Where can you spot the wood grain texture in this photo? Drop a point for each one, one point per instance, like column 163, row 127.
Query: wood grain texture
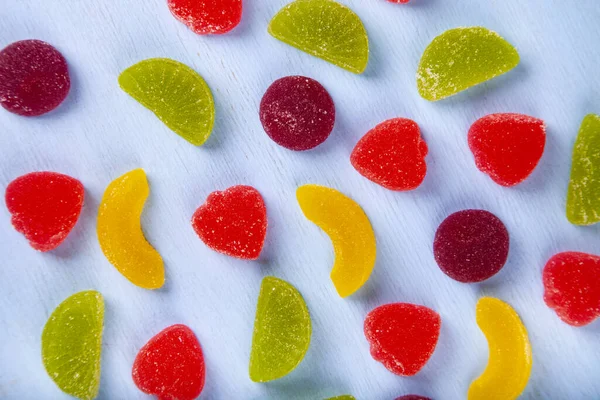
column 100, row 133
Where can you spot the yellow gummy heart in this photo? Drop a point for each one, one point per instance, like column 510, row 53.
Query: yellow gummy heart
column 509, row 364
column 349, row 230
column 120, row 233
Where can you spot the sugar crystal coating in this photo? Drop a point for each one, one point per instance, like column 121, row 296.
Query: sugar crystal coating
column 572, row 287
column 120, row 233
column 171, row 365
column 45, row 206
column 72, row 344
column 583, row 197
column 207, row 16
column 34, row 78
column 175, row 93
column 392, row 155
column 324, row 29
column 297, row 113
column 233, row 222
column 509, row 364
column 461, row 58
column 282, row 331
column 471, row 245
column 508, row 146
column 402, row 336
column 350, row 232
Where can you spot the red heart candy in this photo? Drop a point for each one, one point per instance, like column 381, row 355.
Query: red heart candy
column 207, row 17
column 392, row 155
column 45, row 206
column 171, row 365
column 233, row 222
column 572, row 287
column 402, row 336
column 507, row 147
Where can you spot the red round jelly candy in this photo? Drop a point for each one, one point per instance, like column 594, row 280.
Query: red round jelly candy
column 392, row 155
column 207, row 16
column 45, row 206
column 171, row 365
column 399, row 2
column 471, row 245
column 572, row 287
column 507, row 147
column 34, row 78
column 402, row 336
column 412, row 397
column 233, row 222
column 297, row 113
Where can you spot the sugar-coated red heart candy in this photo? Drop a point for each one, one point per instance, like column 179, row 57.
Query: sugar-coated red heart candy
column 233, row 222
column 471, row 245
column 171, row 365
column 297, row 113
column 412, row 397
column 392, row 155
column 402, row 336
column 45, row 206
column 400, row 2
column 208, row 16
column 507, row 147
column 572, row 287
column 34, row 78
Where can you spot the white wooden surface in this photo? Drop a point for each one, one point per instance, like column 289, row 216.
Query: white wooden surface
column 100, row 133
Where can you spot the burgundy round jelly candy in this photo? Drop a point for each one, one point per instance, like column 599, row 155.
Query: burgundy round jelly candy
column 297, row 113
column 412, row 397
column 471, row 245
column 34, row 78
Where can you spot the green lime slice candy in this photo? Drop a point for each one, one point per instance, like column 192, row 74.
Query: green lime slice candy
column 343, row 397
column 282, row 331
column 175, row 93
column 325, row 29
column 72, row 342
column 461, row 58
column 583, row 196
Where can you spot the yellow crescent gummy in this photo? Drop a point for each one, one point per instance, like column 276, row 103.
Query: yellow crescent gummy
column 509, row 364
column 72, row 344
column 120, row 233
column 349, row 230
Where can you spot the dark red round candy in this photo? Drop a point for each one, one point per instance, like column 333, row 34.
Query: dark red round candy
column 297, row 113
column 34, row 78
column 412, row 397
column 471, row 245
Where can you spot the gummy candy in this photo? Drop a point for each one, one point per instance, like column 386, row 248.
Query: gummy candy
column 297, row 113
column 509, row 364
column 282, row 331
column 583, row 197
column 178, row 96
column 45, row 206
column 233, row 222
column 207, row 16
column 392, row 155
column 412, row 397
column 402, row 336
column 471, row 245
column 572, row 287
column 72, row 344
column 400, row 2
column 324, row 29
column 171, row 365
column 461, row 58
column 120, row 234
column 507, row 147
column 349, row 230
column 34, row 78
column 343, row 397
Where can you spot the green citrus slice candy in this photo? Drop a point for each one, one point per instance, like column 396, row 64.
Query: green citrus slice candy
column 461, row 58
column 175, row 93
column 72, row 343
column 343, row 397
column 120, row 233
column 282, row 331
column 583, row 197
column 325, row 29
